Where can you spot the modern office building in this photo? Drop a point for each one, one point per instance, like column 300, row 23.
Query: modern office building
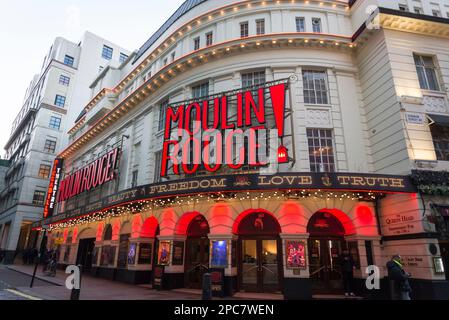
column 52, row 103
column 355, row 95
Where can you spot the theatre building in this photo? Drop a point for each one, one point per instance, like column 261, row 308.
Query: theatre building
column 331, row 119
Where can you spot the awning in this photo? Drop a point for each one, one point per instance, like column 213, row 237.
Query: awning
column 439, row 119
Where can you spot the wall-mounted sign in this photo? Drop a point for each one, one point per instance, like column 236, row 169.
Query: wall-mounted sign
column 415, row 118
column 164, row 253
column 190, row 125
column 53, row 187
column 219, row 254
column 296, row 254
column 234, row 183
column 90, row 177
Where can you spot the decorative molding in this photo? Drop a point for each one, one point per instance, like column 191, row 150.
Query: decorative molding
column 435, row 104
column 318, row 117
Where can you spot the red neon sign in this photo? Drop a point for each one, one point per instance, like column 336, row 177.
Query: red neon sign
column 214, row 115
column 90, row 177
column 53, row 187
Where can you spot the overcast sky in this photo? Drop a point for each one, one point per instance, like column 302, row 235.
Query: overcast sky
column 28, row 28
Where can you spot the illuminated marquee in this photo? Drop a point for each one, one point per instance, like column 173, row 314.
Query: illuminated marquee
column 212, row 116
column 53, row 187
column 91, row 176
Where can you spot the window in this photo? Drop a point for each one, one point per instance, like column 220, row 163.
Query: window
column 300, row 24
column 55, row 123
column 253, row 79
column 244, row 29
column 44, row 171
column 316, row 24
column 426, row 72
column 321, row 150
column 39, row 198
column 403, row 7
column 123, row 57
column 260, row 26
column 64, row 80
column 107, row 52
column 209, row 39
column 196, row 43
column 201, row 90
column 68, row 60
column 50, row 146
column 134, row 178
column 418, row 10
column 436, row 13
column 440, row 137
column 60, row 101
column 315, row 87
column 158, row 163
column 162, row 111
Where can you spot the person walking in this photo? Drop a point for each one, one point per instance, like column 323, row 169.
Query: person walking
column 347, row 265
column 399, row 278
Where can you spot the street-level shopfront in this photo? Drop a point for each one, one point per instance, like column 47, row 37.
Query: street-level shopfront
column 279, row 233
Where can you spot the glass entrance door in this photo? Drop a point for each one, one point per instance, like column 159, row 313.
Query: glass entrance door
column 197, row 261
column 260, row 265
column 325, row 270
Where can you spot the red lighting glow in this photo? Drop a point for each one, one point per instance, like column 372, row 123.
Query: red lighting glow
column 282, row 155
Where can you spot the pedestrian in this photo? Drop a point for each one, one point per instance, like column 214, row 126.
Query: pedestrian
column 399, row 278
column 347, row 265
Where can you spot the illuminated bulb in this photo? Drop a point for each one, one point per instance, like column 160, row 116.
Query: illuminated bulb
column 306, row 41
column 228, row 49
column 274, row 41
column 290, row 41
column 321, row 41
column 242, row 45
column 337, row 44
column 258, row 44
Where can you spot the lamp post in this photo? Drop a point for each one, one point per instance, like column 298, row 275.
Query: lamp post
column 41, row 252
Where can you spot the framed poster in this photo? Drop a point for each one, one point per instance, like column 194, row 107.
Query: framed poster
column 107, row 255
column 132, row 254
column 296, row 254
column 219, row 254
column 163, row 256
column 145, row 253
column 178, row 253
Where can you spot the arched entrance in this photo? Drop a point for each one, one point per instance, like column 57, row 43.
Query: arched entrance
column 326, row 243
column 197, row 252
column 259, row 252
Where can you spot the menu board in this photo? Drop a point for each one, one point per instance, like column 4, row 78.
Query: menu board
column 178, row 253
column 145, row 253
column 164, row 253
column 296, row 254
column 219, row 254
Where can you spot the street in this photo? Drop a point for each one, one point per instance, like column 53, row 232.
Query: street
column 10, row 280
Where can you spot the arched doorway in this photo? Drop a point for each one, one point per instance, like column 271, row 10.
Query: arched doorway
column 259, row 252
column 326, row 243
column 86, row 246
column 197, row 252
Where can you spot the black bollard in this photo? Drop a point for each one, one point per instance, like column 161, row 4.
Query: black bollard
column 207, row 287
column 75, row 294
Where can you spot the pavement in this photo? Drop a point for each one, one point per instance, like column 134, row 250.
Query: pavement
column 53, row 288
